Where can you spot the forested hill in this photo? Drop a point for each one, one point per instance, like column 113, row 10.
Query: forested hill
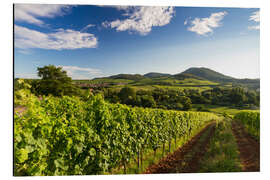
column 195, row 73
column 212, row 75
column 209, row 74
column 127, row 76
column 156, row 75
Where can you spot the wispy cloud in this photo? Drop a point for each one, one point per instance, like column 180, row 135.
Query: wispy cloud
column 254, row 27
column 31, row 13
column 119, row 7
column 81, row 73
column 75, row 72
column 203, row 26
column 141, row 19
column 87, row 27
column 24, row 51
column 256, row 18
column 26, row 75
column 61, row 39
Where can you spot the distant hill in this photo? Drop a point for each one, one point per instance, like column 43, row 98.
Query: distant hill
column 182, row 76
column 127, row 76
column 214, row 76
column 156, row 75
column 201, row 73
column 209, row 74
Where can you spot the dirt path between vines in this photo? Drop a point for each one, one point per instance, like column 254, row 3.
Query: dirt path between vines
column 186, row 158
column 248, row 147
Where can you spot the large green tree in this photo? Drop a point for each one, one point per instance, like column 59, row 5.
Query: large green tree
column 127, row 95
column 54, row 81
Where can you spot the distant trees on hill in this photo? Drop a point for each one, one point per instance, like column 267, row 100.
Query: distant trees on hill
column 183, row 99
column 54, row 81
column 157, row 98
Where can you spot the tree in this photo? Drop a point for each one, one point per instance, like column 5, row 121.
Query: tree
column 148, row 101
column 127, row 95
column 238, row 96
column 187, row 104
column 54, row 81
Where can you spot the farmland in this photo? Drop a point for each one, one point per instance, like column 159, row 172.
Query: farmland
column 135, row 124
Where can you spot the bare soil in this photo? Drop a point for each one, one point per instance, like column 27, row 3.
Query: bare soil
column 19, row 109
column 248, row 147
column 186, row 158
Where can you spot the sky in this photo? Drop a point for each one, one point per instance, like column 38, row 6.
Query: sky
column 98, row 41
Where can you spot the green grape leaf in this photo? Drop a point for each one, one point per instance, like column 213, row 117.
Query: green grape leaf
column 22, row 155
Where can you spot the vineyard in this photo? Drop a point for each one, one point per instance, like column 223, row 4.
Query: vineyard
column 134, row 90
column 251, row 121
column 74, row 136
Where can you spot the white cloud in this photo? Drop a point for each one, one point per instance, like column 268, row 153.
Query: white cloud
column 185, row 23
column 202, row 26
column 122, row 7
column 255, row 16
column 81, row 73
column 24, row 51
column 118, row 7
column 141, row 19
column 27, row 75
column 74, row 72
column 31, row 13
column 61, row 39
column 254, row 27
column 86, row 27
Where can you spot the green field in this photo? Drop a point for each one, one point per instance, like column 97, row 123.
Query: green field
column 154, row 83
column 217, row 109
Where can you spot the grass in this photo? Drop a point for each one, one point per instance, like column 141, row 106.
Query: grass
column 103, row 80
column 222, row 154
column 217, row 109
column 152, row 83
column 174, row 82
column 182, row 87
column 189, row 81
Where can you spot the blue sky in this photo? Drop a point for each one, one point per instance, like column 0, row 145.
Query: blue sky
column 97, row 41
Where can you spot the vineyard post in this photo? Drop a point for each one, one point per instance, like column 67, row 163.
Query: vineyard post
column 163, row 149
column 170, row 145
column 251, row 124
column 142, row 157
column 138, row 157
column 125, row 170
column 175, row 141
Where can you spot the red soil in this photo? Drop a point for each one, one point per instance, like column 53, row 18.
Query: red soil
column 248, row 147
column 186, row 158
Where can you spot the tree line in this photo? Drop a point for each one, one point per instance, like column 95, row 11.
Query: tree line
column 54, row 81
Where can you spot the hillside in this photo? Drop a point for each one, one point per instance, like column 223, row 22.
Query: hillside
column 182, row 76
column 214, row 76
column 127, row 76
column 156, row 75
column 191, row 78
column 209, row 74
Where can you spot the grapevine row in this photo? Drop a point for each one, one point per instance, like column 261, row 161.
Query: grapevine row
column 70, row 136
column 251, row 120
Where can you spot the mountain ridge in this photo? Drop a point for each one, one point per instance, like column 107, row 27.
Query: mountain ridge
column 193, row 72
column 200, row 73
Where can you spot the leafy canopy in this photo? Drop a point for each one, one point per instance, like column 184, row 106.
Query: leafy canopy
column 54, row 81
